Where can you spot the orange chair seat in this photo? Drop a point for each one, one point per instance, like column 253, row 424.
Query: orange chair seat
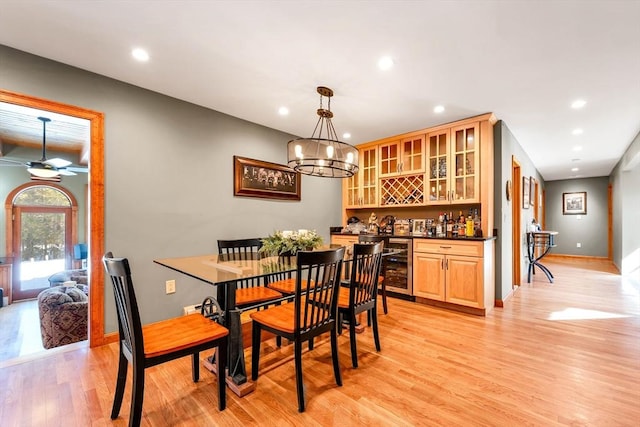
column 280, row 317
column 255, row 295
column 175, row 334
column 286, row 286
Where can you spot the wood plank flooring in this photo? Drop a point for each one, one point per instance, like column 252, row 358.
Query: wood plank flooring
column 562, row 354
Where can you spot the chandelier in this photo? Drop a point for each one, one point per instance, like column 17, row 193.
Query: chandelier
column 323, row 154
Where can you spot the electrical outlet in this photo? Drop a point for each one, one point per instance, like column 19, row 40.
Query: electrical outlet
column 578, row 245
column 170, row 286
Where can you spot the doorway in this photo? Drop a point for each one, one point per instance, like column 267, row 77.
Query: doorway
column 95, row 204
column 43, row 237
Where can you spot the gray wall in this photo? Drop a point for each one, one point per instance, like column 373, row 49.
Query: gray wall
column 168, row 177
column 506, row 146
column 625, row 181
column 590, row 230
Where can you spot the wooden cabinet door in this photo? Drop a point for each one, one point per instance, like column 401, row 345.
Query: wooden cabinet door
column 369, row 176
column 428, row 276
column 361, row 190
column 437, row 168
column 412, row 155
column 389, row 159
column 464, row 179
column 463, row 283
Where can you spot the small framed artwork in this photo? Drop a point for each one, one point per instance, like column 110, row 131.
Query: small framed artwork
column 526, row 191
column 265, row 180
column 574, row 203
column 419, row 227
column 532, row 191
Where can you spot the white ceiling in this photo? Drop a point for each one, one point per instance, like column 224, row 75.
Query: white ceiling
column 525, row 61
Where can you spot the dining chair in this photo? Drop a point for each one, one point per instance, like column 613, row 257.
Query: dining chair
column 248, row 291
column 363, row 238
column 159, row 342
column 312, row 312
column 363, row 293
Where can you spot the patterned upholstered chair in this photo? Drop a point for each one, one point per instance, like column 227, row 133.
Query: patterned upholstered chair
column 63, row 316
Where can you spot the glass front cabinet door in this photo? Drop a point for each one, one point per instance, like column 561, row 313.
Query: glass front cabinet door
column 362, row 188
column 453, row 165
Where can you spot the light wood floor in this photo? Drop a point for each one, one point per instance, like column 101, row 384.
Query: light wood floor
column 566, row 354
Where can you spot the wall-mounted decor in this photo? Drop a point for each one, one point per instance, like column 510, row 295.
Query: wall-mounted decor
column 532, row 191
column 508, row 190
column 574, row 203
column 255, row 178
column 525, row 192
column 419, row 227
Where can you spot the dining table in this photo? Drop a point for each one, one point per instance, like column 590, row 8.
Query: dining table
column 223, row 271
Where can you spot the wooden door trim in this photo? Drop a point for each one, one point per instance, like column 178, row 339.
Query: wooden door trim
column 95, row 202
column 516, row 177
column 610, row 222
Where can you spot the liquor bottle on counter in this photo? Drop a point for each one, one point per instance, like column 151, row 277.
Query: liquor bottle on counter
column 477, row 225
column 449, row 224
column 439, row 226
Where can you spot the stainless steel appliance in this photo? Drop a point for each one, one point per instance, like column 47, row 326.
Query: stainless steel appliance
column 397, row 267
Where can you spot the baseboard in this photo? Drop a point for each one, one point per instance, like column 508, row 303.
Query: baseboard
column 501, row 302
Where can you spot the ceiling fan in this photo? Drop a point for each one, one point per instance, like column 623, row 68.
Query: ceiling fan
column 48, row 168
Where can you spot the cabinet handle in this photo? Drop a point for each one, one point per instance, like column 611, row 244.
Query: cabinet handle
column 445, row 247
column 446, row 264
column 442, row 264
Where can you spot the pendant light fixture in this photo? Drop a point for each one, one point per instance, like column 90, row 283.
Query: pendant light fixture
column 323, row 154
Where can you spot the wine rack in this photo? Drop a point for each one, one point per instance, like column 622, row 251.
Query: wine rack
column 403, row 190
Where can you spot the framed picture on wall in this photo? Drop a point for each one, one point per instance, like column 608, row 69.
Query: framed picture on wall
column 257, row 178
column 532, row 191
column 526, row 191
column 574, row 203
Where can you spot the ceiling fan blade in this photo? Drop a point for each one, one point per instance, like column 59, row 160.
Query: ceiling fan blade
column 57, row 163
column 66, row 172
column 9, row 162
column 77, row 169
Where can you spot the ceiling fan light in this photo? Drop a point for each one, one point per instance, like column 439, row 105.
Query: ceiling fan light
column 43, row 172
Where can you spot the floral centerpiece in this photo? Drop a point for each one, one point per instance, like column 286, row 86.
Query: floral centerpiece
column 290, row 242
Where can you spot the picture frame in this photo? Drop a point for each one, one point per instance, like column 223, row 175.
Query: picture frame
column 532, row 191
column 419, row 227
column 526, row 192
column 574, row 203
column 265, row 180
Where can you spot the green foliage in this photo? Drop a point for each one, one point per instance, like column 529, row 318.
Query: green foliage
column 290, row 242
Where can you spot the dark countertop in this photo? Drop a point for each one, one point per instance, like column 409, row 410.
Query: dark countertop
column 476, row 239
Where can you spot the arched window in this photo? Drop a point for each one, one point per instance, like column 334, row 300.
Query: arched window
column 43, row 232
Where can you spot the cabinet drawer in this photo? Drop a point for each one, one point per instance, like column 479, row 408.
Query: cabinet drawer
column 448, row 247
column 344, row 240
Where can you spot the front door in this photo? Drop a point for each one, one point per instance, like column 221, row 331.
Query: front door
column 42, row 239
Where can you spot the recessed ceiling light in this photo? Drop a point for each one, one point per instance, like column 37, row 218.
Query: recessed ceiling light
column 578, row 103
column 577, row 148
column 385, row 63
column 577, row 131
column 140, row 54
column 283, row 111
column 575, row 169
column 346, row 135
column 438, row 109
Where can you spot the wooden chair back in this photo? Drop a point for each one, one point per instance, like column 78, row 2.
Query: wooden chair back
column 317, row 287
column 129, row 323
column 239, row 247
column 365, row 269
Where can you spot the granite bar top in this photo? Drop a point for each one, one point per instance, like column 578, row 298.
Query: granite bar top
column 410, row 236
